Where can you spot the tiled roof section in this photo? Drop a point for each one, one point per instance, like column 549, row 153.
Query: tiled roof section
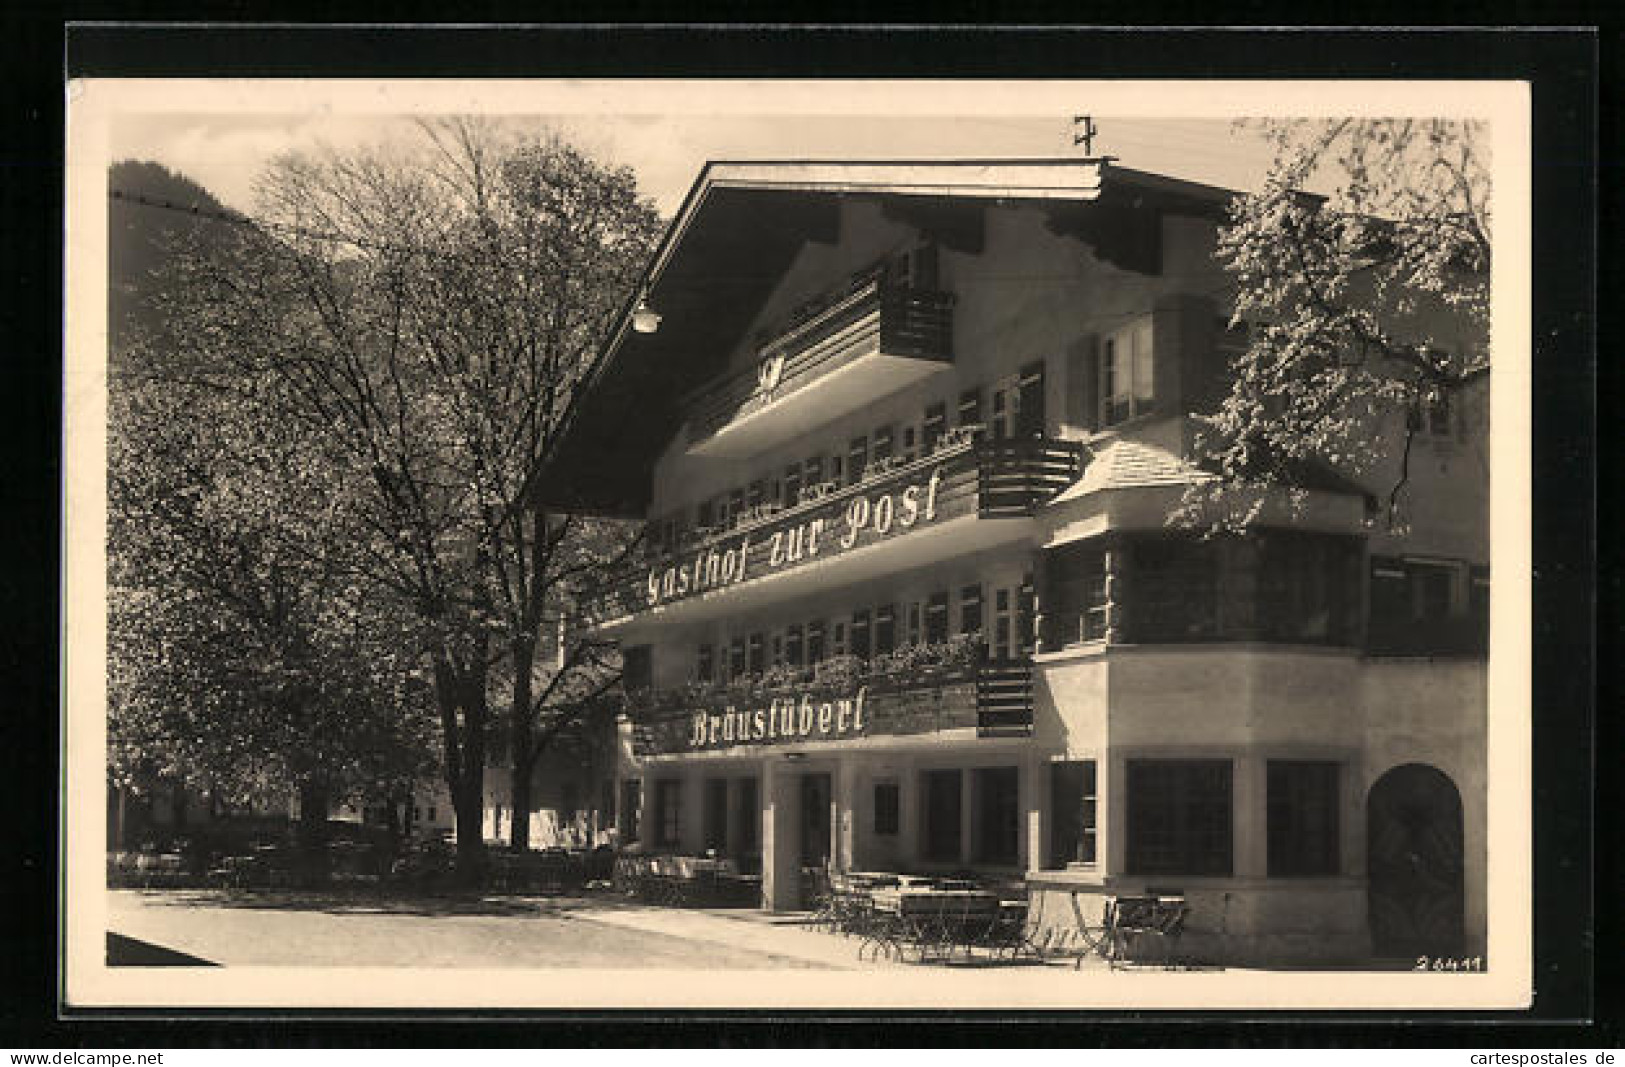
column 1130, row 464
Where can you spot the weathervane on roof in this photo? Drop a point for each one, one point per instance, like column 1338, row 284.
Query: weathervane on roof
column 1083, row 132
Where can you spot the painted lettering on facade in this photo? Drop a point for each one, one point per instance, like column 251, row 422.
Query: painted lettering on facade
column 786, row 719
column 835, row 529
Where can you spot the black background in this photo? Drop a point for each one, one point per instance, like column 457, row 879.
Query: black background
column 1575, row 981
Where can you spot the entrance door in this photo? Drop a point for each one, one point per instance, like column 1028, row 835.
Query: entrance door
column 815, row 830
column 1414, row 846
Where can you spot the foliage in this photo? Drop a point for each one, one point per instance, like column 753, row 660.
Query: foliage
column 246, row 656
column 836, row 675
column 426, row 313
column 1345, row 299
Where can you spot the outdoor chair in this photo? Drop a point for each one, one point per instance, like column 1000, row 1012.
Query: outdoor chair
column 1088, row 938
column 820, row 896
column 1007, row 930
column 886, row 927
column 1141, row 922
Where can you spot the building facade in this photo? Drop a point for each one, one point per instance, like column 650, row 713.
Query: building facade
column 908, row 439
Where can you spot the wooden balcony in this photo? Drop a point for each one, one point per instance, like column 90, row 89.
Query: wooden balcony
column 963, row 497
column 993, row 699
column 865, row 343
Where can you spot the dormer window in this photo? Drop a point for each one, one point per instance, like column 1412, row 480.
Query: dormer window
column 1127, row 387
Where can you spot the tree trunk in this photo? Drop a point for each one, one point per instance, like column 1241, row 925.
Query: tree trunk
column 312, row 844
column 393, row 820
column 463, row 711
column 468, row 804
column 524, row 656
column 118, row 842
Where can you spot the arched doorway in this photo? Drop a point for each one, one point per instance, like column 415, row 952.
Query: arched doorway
column 1414, row 862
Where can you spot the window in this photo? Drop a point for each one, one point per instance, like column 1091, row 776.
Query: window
column 793, row 646
column 637, row 668
column 757, row 494
column 857, row 459
column 792, row 485
column 837, row 640
column 915, row 268
column 1126, row 387
column 933, row 427
column 1003, row 630
column 631, row 821
column 970, row 407
column 1030, row 401
column 705, row 664
column 812, row 471
column 716, row 813
column 815, row 642
column 888, row 805
column 434, row 813
column 910, row 439
column 970, row 609
column 835, row 468
column 1308, row 588
column 942, row 815
column 1072, row 813
column 1439, row 423
column 916, row 622
column 776, row 658
column 1175, row 589
column 936, row 618
column 669, row 812
column 1422, row 607
column 1026, row 615
column 753, row 654
column 998, row 815
column 885, row 629
column 736, row 505
column 880, row 444
column 1433, row 413
column 860, row 633
column 736, row 658
column 1001, row 422
column 1301, row 812
column 705, row 516
column 1179, row 815
column 1075, row 596
column 417, row 813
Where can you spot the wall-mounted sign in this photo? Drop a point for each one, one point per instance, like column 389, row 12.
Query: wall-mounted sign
column 811, row 717
column 785, row 719
column 831, row 528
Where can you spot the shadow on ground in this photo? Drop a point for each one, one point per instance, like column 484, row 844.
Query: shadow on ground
column 375, row 902
column 128, row 952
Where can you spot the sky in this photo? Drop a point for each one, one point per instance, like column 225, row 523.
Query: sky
column 224, row 152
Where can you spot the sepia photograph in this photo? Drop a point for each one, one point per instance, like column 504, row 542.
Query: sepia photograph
column 792, row 544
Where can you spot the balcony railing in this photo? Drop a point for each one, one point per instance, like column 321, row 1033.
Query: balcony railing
column 961, row 478
column 873, row 318
column 993, row 698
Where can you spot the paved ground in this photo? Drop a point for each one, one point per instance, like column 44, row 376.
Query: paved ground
column 293, row 929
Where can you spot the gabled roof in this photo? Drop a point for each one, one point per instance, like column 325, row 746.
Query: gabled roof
column 735, row 235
